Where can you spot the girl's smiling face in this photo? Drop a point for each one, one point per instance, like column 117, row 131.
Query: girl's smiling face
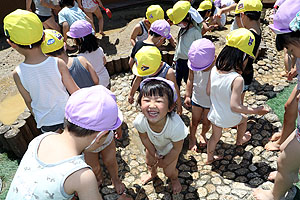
column 155, row 108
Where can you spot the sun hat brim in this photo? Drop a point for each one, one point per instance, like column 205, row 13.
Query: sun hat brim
column 198, row 68
column 279, row 31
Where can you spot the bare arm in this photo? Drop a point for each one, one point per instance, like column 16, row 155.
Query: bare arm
column 135, row 32
column 24, row 93
column 65, row 29
column 90, row 21
column 235, row 101
column 90, row 69
column 131, row 62
column 104, row 60
column 171, row 76
column 226, row 9
column 79, row 2
column 208, row 86
column 189, row 88
column 172, row 155
column 172, row 41
column 134, row 87
column 28, row 5
column 147, row 143
column 67, row 79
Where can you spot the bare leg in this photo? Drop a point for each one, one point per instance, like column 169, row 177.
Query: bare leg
column 100, row 20
column 90, row 15
column 290, row 116
column 205, row 127
column 92, row 159
column 172, row 173
column 212, row 142
column 152, row 168
column 242, row 135
column 50, row 23
column 110, row 161
column 196, row 117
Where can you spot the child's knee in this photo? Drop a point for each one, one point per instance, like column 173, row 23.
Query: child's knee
column 170, row 173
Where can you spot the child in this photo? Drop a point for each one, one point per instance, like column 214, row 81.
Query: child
column 89, row 48
column 70, row 14
column 91, row 7
column 149, row 64
column 161, row 131
column 247, row 15
column 140, row 31
column 187, row 19
column 44, row 12
column 225, row 87
column 286, row 26
column 42, row 81
column 201, row 60
column 57, row 171
column 80, row 69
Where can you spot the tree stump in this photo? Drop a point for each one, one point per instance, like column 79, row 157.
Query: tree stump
column 110, row 67
column 25, row 130
column 3, row 130
column 165, row 56
column 170, row 57
column 124, row 62
column 30, row 121
column 16, row 142
column 117, row 64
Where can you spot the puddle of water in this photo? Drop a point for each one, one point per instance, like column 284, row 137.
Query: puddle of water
column 10, row 108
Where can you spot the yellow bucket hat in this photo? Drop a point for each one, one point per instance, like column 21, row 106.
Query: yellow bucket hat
column 154, row 12
column 53, row 41
column 242, row 39
column 205, row 5
column 147, row 61
column 248, row 5
column 23, row 27
column 179, row 11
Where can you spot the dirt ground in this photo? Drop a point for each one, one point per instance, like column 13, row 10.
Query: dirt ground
column 116, row 42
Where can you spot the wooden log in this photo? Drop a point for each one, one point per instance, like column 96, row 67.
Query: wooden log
column 3, row 130
column 164, row 56
column 124, row 62
column 25, row 130
column 30, row 121
column 117, row 64
column 110, row 67
column 16, row 142
column 170, row 57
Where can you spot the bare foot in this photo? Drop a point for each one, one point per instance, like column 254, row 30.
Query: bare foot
column 203, row 141
column 193, row 144
column 272, row 176
column 124, row 197
column 245, row 139
column 119, row 186
column 260, row 194
column 176, row 186
column 215, row 157
column 147, row 178
column 272, row 146
column 275, row 136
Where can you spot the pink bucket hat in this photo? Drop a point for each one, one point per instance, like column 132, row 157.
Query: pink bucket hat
column 161, row 27
column 94, row 108
column 201, row 54
column 80, row 29
column 170, row 83
column 285, row 14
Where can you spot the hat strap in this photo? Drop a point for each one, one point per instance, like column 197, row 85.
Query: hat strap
column 295, row 23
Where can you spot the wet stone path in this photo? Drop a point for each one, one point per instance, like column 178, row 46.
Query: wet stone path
column 242, row 169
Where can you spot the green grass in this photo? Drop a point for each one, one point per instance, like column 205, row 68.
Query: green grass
column 8, row 169
column 277, row 103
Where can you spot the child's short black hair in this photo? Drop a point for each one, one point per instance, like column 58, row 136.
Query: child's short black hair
column 34, row 45
column 154, row 34
column 157, row 88
column 203, row 13
column 64, row 3
column 87, row 43
column 253, row 15
column 231, row 58
column 57, row 52
column 283, row 40
column 77, row 130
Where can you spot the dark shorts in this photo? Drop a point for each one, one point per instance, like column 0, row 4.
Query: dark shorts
column 197, row 105
column 43, row 18
column 246, row 88
column 52, row 128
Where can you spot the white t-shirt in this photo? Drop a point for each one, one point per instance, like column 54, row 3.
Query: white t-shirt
column 199, row 89
column 173, row 131
column 220, row 113
column 96, row 59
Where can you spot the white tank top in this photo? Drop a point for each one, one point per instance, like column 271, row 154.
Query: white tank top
column 96, row 59
column 220, row 112
column 35, row 179
column 199, row 88
column 49, row 96
column 144, row 34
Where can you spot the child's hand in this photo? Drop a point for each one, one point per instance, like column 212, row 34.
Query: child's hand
column 179, row 109
column 118, row 133
column 292, row 73
column 130, row 99
column 187, row 101
column 261, row 110
column 157, row 156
